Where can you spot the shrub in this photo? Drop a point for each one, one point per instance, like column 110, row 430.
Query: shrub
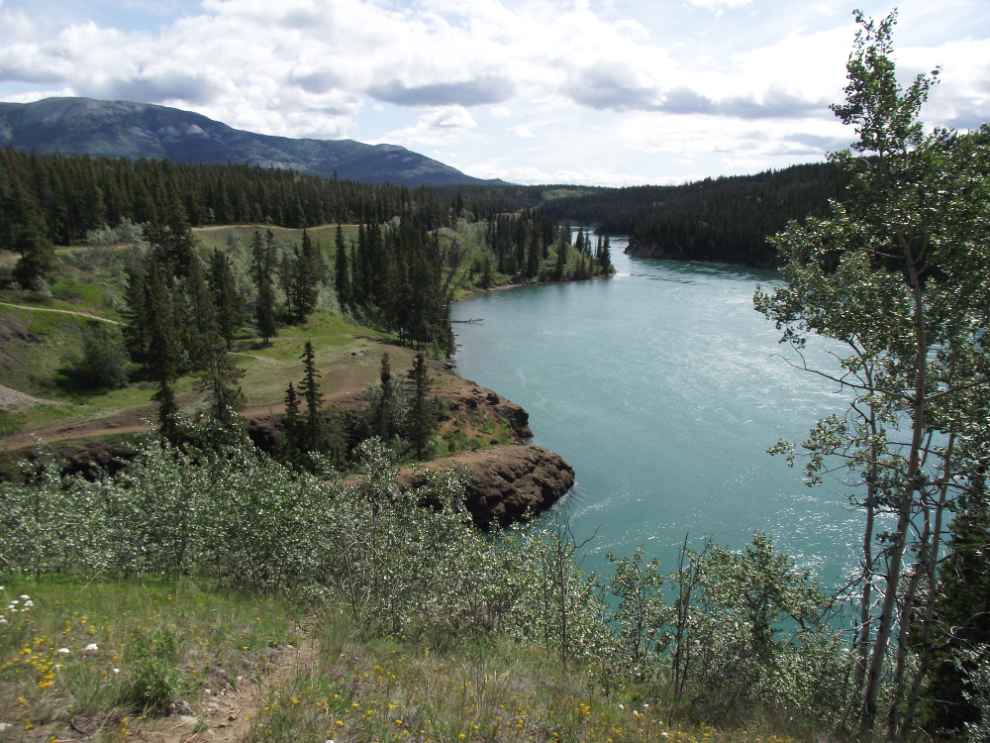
column 104, row 361
column 156, row 679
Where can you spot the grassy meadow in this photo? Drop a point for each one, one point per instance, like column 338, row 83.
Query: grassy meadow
column 42, row 338
column 107, row 659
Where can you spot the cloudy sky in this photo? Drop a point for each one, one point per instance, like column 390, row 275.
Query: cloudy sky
column 609, row 92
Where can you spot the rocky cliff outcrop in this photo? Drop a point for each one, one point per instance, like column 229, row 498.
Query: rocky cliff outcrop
column 473, row 399
column 641, row 249
column 503, row 484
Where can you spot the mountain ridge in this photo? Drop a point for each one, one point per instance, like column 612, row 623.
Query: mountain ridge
column 135, row 130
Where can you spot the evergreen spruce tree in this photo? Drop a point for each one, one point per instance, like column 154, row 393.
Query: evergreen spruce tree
column 309, row 276
column 560, row 272
column 487, row 279
column 565, row 233
column 163, row 352
column 136, row 331
column 313, row 433
column 359, row 279
column 336, row 445
column 290, row 448
column 218, row 378
column 262, row 270
column 302, row 290
column 27, row 234
column 534, row 254
column 422, row 415
column 173, row 243
column 168, row 411
column 201, row 315
column 226, row 298
column 341, row 274
column 605, row 259
column 385, row 403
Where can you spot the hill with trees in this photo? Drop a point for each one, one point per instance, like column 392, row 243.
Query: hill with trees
column 141, row 130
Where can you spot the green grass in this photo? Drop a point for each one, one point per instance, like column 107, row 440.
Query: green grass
column 36, row 346
column 392, row 692
column 181, row 637
column 174, row 637
column 211, row 238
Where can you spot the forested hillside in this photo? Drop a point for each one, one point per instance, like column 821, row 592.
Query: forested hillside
column 275, row 256
column 139, row 130
column 80, row 193
column 727, row 220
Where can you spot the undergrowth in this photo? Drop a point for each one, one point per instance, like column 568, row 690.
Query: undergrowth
column 106, row 652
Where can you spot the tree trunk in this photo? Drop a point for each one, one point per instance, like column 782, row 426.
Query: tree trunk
column 882, row 640
column 928, row 656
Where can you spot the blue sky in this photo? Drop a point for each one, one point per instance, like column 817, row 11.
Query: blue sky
column 608, row 92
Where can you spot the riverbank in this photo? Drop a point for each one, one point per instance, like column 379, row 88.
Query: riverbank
column 478, row 422
column 43, row 336
column 643, row 249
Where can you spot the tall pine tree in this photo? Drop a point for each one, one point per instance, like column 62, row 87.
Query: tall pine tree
column 226, row 297
column 25, row 232
column 422, row 415
column 263, row 270
column 341, row 274
column 313, row 432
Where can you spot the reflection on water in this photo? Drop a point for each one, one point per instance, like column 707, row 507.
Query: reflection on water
column 663, row 388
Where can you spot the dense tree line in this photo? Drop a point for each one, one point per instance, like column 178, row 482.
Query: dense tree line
column 531, row 245
column 78, row 193
column 727, row 220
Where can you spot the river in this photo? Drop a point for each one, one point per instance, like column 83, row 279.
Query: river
column 663, row 388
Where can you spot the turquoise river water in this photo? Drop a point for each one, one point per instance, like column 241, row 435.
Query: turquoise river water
column 663, row 387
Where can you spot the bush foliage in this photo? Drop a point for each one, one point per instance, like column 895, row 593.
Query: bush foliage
column 410, row 565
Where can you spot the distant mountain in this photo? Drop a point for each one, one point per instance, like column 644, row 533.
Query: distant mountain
column 133, row 130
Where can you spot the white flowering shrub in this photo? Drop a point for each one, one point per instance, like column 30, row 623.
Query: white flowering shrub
column 730, row 629
column 740, row 629
column 975, row 666
column 558, row 606
column 409, row 564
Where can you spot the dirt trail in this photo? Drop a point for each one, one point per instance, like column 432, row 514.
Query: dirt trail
column 228, row 715
column 64, row 312
column 136, row 420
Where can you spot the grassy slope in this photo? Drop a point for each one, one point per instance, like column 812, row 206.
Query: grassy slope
column 38, row 344
column 154, row 642
column 338, row 686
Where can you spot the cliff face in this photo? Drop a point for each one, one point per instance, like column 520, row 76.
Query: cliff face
column 640, row 249
column 504, row 483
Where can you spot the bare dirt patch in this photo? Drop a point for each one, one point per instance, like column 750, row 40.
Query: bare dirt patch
column 226, row 714
column 11, row 399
